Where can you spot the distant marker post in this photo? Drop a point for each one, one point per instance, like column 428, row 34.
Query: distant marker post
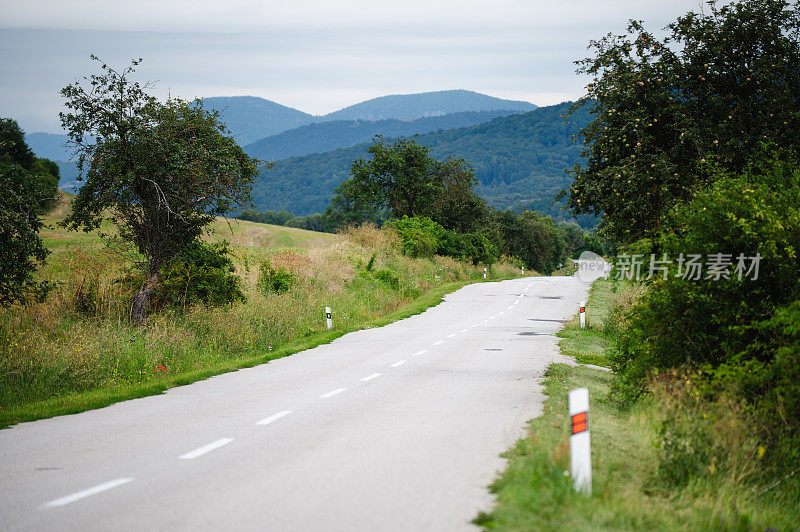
column 328, row 318
column 583, row 314
column 580, row 450
column 484, row 273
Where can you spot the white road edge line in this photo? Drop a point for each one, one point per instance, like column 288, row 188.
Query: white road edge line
column 439, row 342
column 398, row 363
column 418, row 353
column 509, row 308
column 493, row 317
column 484, row 321
column 452, row 335
column 464, row 330
column 501, row 313
column 370, row 377
column 200, row 451
column 334, row 392
column 516, row 302
column 105, row 486
column 273, row 417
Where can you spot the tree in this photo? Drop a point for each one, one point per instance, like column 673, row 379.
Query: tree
column 712, row 90
column 26, row 189
column 160, row 171
column 404, row 179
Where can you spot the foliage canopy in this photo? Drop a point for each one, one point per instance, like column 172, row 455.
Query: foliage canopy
column 159, row 171
column 714, row 88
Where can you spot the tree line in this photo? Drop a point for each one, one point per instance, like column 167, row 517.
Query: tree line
column 693, row 151
column 433, row 206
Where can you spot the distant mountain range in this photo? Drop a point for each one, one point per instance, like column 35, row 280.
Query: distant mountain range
column 250, row 118
column 328, row 136
column 410, row 106
column 519, row 154
column 519, row 160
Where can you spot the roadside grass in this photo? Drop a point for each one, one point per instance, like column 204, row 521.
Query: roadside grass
column 535, row 491
column 77, row 350
column 589, row 345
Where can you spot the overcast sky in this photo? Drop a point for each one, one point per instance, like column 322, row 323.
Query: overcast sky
column 315, row 55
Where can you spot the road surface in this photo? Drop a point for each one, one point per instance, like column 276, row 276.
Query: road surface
column 395, row 428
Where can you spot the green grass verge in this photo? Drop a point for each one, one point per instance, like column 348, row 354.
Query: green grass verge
column 535, row 491
column 588, row 345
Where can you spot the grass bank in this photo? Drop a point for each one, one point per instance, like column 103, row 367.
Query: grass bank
column 628, row 452
column 77, row 351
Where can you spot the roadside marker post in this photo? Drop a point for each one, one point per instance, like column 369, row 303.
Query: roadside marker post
column 328, row 317
column 580, row 450
column 523, row 270
column 583, row 314
column 484, row 273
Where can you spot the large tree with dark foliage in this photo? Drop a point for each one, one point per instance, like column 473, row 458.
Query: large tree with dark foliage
column 405, row 180
column 159, row 171
column 668, row 112
column 28, row 185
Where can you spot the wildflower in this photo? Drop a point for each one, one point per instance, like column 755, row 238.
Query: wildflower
column 761, row 451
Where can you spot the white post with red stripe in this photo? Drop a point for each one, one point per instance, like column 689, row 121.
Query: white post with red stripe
column 583, row 314
column 580, row 450
column 328, row 318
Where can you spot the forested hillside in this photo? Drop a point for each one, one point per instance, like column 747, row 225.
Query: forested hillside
column 518, row 159
column 409, row 106
column 329, row 136
column 250, row 118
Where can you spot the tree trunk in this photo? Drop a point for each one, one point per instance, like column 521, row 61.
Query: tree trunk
column 141, row 300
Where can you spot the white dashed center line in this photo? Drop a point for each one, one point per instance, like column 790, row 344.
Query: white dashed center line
column 100, row 488
column 501, row 313
column 464, row 330
column 516, row 302
column 493, row 317
column 418, row 353
column 273, row 417
column 451, row 335
column 509, row 308
column 205, row 449
column 440, row 342
column 398, row 363
column 331, row 394
column 484, row 321
column 370, row 377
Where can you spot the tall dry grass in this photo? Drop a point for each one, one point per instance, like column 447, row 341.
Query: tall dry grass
column 80, row 339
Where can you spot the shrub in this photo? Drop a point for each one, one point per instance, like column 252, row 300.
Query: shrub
column 202, row 273
column 419, row 235
column 275, row 280
column 742, row 333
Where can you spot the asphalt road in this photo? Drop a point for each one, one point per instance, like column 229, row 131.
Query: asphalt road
column 396, row 428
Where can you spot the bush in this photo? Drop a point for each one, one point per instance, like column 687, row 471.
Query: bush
column 202, row 274
column 275, row 280
column 419, row 235
column 743, row 333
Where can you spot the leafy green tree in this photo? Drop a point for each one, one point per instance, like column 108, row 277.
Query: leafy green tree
column 28, row 185
column 406, row 180
column 714, row 88
column 531, row 237
column 159, row 171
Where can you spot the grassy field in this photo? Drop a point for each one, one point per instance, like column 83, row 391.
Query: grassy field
column 629, row 492
column 77, row 349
